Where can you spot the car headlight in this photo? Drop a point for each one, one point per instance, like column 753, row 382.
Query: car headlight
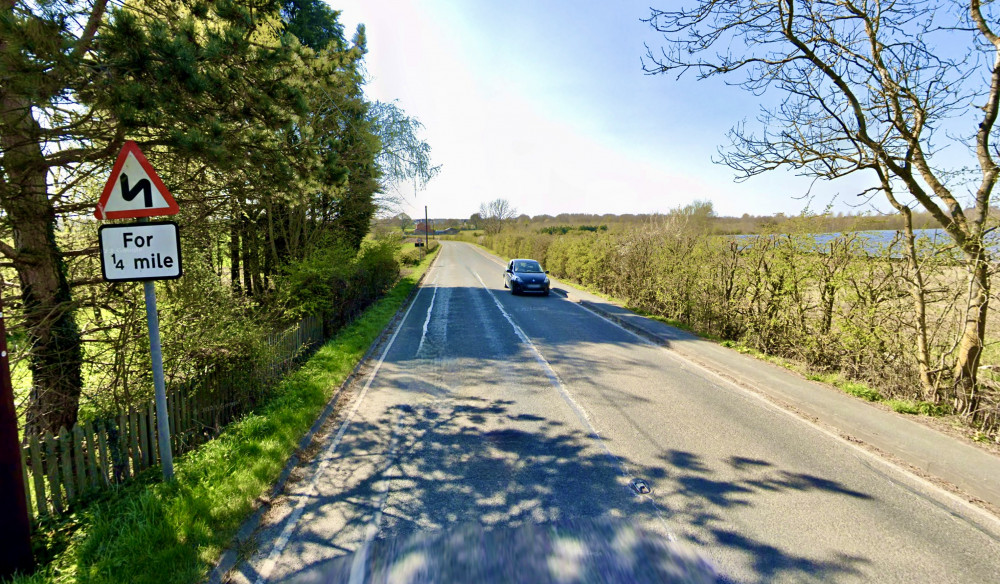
column 515, row 279
column 545, row 281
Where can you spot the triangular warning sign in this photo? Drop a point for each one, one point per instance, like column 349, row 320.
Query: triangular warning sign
column 134, row 189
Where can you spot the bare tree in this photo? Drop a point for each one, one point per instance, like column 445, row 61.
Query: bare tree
column 494, row 214
column 865, row 85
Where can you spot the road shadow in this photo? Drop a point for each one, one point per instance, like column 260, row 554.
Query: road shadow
column 465, row 322
column 479, row 461
column 584, row 550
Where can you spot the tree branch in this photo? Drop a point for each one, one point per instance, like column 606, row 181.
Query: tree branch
column 83, row 43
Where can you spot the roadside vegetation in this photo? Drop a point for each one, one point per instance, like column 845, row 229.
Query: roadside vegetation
column 904, row 96
column 148, row 531
column 879, row 92
column 254, row 117
column 841, row 305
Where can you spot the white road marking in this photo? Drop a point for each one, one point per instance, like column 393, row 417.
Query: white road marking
column 861, row 453
column 427, row 321
column 576, row 407
column 361, row 556
column 296, row 514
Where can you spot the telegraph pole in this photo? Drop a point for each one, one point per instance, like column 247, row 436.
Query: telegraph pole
column 427, row 229
column 15, row 537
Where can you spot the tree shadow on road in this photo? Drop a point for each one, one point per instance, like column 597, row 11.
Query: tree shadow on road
column 452, row 462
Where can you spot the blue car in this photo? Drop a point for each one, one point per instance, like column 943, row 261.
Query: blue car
column 525, row 276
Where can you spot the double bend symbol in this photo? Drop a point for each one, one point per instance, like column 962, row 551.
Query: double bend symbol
column 143, row 185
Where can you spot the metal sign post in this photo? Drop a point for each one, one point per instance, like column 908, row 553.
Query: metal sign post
column 159, row 385
column 142, row 252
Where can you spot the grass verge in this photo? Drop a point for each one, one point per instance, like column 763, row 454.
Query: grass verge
column 153, row 532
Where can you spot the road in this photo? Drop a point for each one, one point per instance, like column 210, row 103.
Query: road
column 507, row 411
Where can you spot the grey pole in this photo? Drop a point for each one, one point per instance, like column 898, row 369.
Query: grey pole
column 162, row 421
column 159, row 385
column 427, row 228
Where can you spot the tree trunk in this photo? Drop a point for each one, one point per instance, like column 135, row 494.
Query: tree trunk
column 917, row 293
column 56, row 358
column 918, row 290
column 249, row 260
column 247, row 245
column 234, row 254
column 970, row 347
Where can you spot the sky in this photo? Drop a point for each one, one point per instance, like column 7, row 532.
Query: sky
column 545, row 103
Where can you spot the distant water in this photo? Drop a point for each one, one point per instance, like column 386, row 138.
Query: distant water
column 879, row 240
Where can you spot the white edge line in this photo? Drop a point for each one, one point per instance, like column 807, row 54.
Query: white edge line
column 361, row 556
column 296, row 514
column 960, row 501
column 427, row 321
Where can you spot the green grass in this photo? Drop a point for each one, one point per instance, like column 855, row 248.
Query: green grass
column 830, row 378
column 409, row 255
column 859, row 390
column 154, row 532
column 917, row 408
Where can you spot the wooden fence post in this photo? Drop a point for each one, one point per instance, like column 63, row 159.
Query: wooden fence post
column 154, row 443
column 119, row 461
column 88, row 431
column 38, row 475
column 133, row 442
column 65, row 449
column 76, row 436
column 105, row 463
column 52, row 471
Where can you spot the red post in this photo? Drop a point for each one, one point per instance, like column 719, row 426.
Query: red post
column 15, row 537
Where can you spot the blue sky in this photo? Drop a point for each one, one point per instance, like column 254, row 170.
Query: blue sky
column 545, row 103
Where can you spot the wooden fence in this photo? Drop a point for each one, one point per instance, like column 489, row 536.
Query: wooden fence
column 96, row 454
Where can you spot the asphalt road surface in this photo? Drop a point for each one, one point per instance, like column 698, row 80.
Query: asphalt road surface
column 533, row 417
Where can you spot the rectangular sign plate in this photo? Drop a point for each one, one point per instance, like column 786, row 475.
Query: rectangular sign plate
column 141, row 251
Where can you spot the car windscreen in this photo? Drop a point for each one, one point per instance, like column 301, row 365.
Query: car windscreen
column 530, row 267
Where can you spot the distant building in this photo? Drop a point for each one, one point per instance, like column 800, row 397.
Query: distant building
column 421, row 228
column 449, row 231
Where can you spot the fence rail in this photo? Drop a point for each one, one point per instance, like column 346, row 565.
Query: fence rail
column 60, row 469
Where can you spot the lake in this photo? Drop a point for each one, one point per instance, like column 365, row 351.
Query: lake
column 876, row 241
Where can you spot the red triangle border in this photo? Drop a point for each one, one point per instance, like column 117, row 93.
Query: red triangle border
column 133, row 148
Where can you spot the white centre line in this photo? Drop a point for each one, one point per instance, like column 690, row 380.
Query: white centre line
column 568, row 398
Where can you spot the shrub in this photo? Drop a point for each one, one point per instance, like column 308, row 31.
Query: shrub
column 411, row 256
column 336, row 281
column 840, row 303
